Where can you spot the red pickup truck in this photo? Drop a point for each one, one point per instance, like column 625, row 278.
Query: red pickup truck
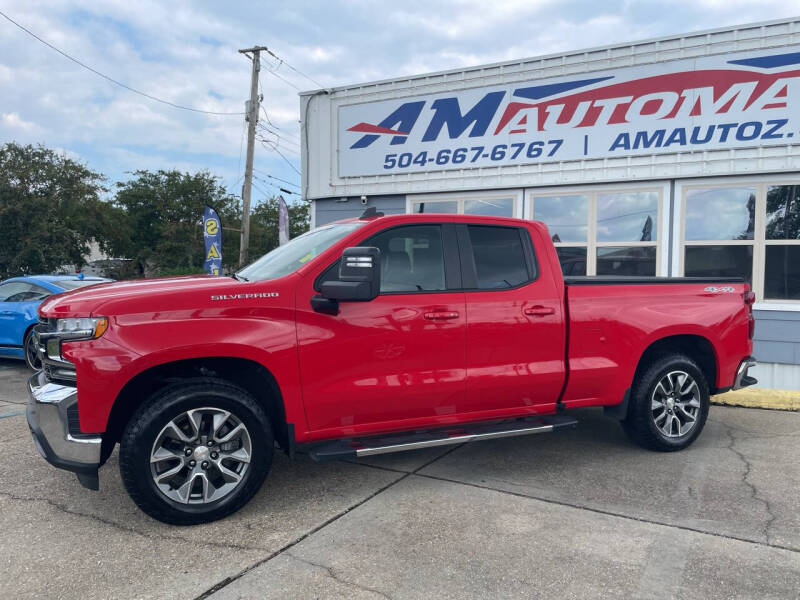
column 365, row 336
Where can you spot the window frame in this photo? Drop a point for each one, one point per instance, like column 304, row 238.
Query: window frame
column 759, row 243
column 469, row 272
column 661, row 188
column 459, row 269
column 450, row 256
column 515, row 193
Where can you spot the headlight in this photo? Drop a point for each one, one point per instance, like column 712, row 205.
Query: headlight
column 82, row 328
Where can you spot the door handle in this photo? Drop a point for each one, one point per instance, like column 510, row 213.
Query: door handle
column 441, row 315
column 539, row 311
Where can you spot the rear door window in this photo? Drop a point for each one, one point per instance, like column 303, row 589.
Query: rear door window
column 499, row 255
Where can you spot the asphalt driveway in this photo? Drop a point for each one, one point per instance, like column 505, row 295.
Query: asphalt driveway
column 576, row 514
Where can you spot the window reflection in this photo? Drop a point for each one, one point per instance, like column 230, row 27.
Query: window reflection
column 629, row 217
column 782, row 275
column 720, row 214
column 573, row 260
column 566, row 217
column 719, row 261
column 626, row 260
column 448, row 207
column 495, row 207
column 783, row 212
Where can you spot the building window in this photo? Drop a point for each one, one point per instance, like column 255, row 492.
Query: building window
column 719, row 227
column 750, row 231
column 442, row 206
column 496, row 204
column 782, row 243
column 567, row 218
column 603, row 232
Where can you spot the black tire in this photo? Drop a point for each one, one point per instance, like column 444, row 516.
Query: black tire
column 640, row 424
column 31, row 354
column 155, row 414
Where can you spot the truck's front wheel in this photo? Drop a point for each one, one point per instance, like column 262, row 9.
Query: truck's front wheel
column 669, row 404
column 196, row 452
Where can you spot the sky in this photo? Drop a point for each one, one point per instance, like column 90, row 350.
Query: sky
column 187, row 53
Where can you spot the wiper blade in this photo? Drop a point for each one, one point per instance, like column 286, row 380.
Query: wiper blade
column 238, row 277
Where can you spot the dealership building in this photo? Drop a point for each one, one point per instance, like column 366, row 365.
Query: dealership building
column 678, row 156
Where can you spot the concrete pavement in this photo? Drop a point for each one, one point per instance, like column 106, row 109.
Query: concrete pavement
column 576, row 514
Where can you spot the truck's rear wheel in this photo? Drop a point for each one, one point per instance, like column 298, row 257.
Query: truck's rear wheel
column 196, row 452
column 668, row 405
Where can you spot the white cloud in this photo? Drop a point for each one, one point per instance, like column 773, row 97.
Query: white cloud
column 13, row 121
column 187, row 53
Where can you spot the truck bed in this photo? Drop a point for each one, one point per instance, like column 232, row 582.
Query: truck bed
column 613, row 320
column 643, row 280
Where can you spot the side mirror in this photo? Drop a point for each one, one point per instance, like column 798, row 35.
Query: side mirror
column 359, row 276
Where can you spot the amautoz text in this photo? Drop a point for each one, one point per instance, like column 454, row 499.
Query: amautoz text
column 703, row 134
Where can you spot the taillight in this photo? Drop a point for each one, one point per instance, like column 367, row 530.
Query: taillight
column 749, row 300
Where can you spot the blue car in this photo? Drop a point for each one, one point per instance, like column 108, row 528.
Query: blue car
column 20, row 298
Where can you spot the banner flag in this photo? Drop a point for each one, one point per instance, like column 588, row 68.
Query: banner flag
column 212, row 234
column 283, row 221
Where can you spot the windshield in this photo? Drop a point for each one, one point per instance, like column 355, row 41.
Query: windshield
column 293, row 255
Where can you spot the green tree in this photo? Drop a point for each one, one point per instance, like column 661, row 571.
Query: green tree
column 164, row 213
column 50, row 210
column 264, row 225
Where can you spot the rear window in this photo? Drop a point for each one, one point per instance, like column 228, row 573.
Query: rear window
column 499, row 257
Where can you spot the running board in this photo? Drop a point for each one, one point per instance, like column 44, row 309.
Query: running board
column 353, row 448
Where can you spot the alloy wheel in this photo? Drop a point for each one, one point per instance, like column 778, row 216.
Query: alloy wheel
column 201, row 456
column 675, row 404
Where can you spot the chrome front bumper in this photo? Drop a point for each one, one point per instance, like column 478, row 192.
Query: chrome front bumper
column 742, row 379
column 48, row 405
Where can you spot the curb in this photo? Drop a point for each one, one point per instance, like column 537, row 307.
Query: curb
column 760, row 398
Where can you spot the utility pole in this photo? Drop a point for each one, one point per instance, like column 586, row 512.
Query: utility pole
column 251, row 116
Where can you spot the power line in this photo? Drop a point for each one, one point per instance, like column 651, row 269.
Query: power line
column 284, row 190
column 265, row 174
column 284, row 135
column 265, row 131
column 273, row 147
column 266, row 195
column 283, row 79
column 264, row 110
column 282, row 61
column 112, row 80
column 280, row 144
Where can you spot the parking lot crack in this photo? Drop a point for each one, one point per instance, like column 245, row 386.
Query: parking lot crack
column 332, row 574
column 748, row 467
column 608, row 512
column 403, row 475
column 65, row 509
column 755, row 435
column 228, row 580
